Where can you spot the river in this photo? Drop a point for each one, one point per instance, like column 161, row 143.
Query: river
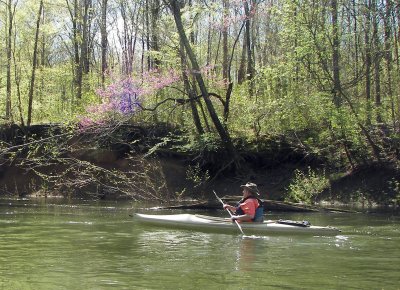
column 78, row 244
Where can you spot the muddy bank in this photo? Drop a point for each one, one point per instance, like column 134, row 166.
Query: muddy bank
column 28, row 167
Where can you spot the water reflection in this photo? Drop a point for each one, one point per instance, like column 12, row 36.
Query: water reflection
column 342, row 241
column 162, row 241
column 241, row 252
column 245, row 255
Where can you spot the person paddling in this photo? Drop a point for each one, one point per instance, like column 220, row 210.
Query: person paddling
column 250, row 207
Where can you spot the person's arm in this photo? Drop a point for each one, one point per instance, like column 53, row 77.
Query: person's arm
column 243, row 218
column 231, row 208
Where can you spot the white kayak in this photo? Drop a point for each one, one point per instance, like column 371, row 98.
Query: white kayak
column 207, row 223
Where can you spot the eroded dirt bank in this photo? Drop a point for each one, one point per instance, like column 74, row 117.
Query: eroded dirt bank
column 126, row 150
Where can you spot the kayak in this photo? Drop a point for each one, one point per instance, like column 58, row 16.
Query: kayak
column 209, row 223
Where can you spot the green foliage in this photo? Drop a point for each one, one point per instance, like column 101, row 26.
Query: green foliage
column 197, row 175
column 164, row 141
column 394, row 185
column 207, row 142
column 306, row 186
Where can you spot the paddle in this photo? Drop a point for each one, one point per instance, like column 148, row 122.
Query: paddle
column 236, row 222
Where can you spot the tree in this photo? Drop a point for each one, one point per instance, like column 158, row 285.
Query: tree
column 175, row 7
column 249, row 44
column 225, row 57
column 34, row 63
column 80, row 13
column 335, row 55
column 104, row 43
column 129, row 35
column 11, row 12
column 154, row 45
column 327, row 67
column 191, row 92
column 388, row 58
column 377, row 60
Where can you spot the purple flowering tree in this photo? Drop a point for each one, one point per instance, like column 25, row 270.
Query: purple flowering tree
column 124, row 97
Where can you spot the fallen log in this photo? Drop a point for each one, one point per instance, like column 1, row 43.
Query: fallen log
column 269, row 205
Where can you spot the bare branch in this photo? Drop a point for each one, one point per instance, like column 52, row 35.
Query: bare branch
column 180, row 101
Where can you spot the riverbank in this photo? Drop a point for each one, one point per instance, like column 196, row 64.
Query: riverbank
column 133, row 162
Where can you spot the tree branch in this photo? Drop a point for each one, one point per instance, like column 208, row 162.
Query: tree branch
column 181, row 101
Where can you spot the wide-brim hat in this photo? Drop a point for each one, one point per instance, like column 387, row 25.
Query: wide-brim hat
column 251, row 187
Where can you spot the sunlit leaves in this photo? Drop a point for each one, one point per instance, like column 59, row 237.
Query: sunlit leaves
column 306, row 186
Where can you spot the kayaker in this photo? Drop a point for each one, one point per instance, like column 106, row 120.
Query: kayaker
column 250, row 207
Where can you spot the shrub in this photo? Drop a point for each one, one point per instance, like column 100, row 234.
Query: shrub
column 306, row 186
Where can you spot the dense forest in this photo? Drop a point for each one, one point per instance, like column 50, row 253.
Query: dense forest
column 320, row 77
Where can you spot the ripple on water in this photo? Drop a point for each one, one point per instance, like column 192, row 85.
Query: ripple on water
column 100, row 247
column 80, row 223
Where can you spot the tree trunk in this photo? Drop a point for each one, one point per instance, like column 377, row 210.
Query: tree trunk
column 337, row 87
column 191, row 92
column 377, row 61
column 388, row 59
column 192, row 36
column 42, row 62
column 129, row 37
column 224, row 135
column 84, row 59
column 147, row 33
column 81, row 22
column 75, row 16
column 335, row 55
column 242, row 65
column 397, row 34
column 34, row 60
column 155, row 14
column 209, row 40
column 250, row 61
column 104, row 43
column 225, row 40
column 356, row 41
column 11, row 12
column 368, row 60
column 17, row 75
column 230, row 83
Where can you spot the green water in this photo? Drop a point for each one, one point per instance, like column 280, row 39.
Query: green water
column 86, row 245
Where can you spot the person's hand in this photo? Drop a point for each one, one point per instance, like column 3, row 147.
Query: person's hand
column 226, row 206
column 234, row 218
